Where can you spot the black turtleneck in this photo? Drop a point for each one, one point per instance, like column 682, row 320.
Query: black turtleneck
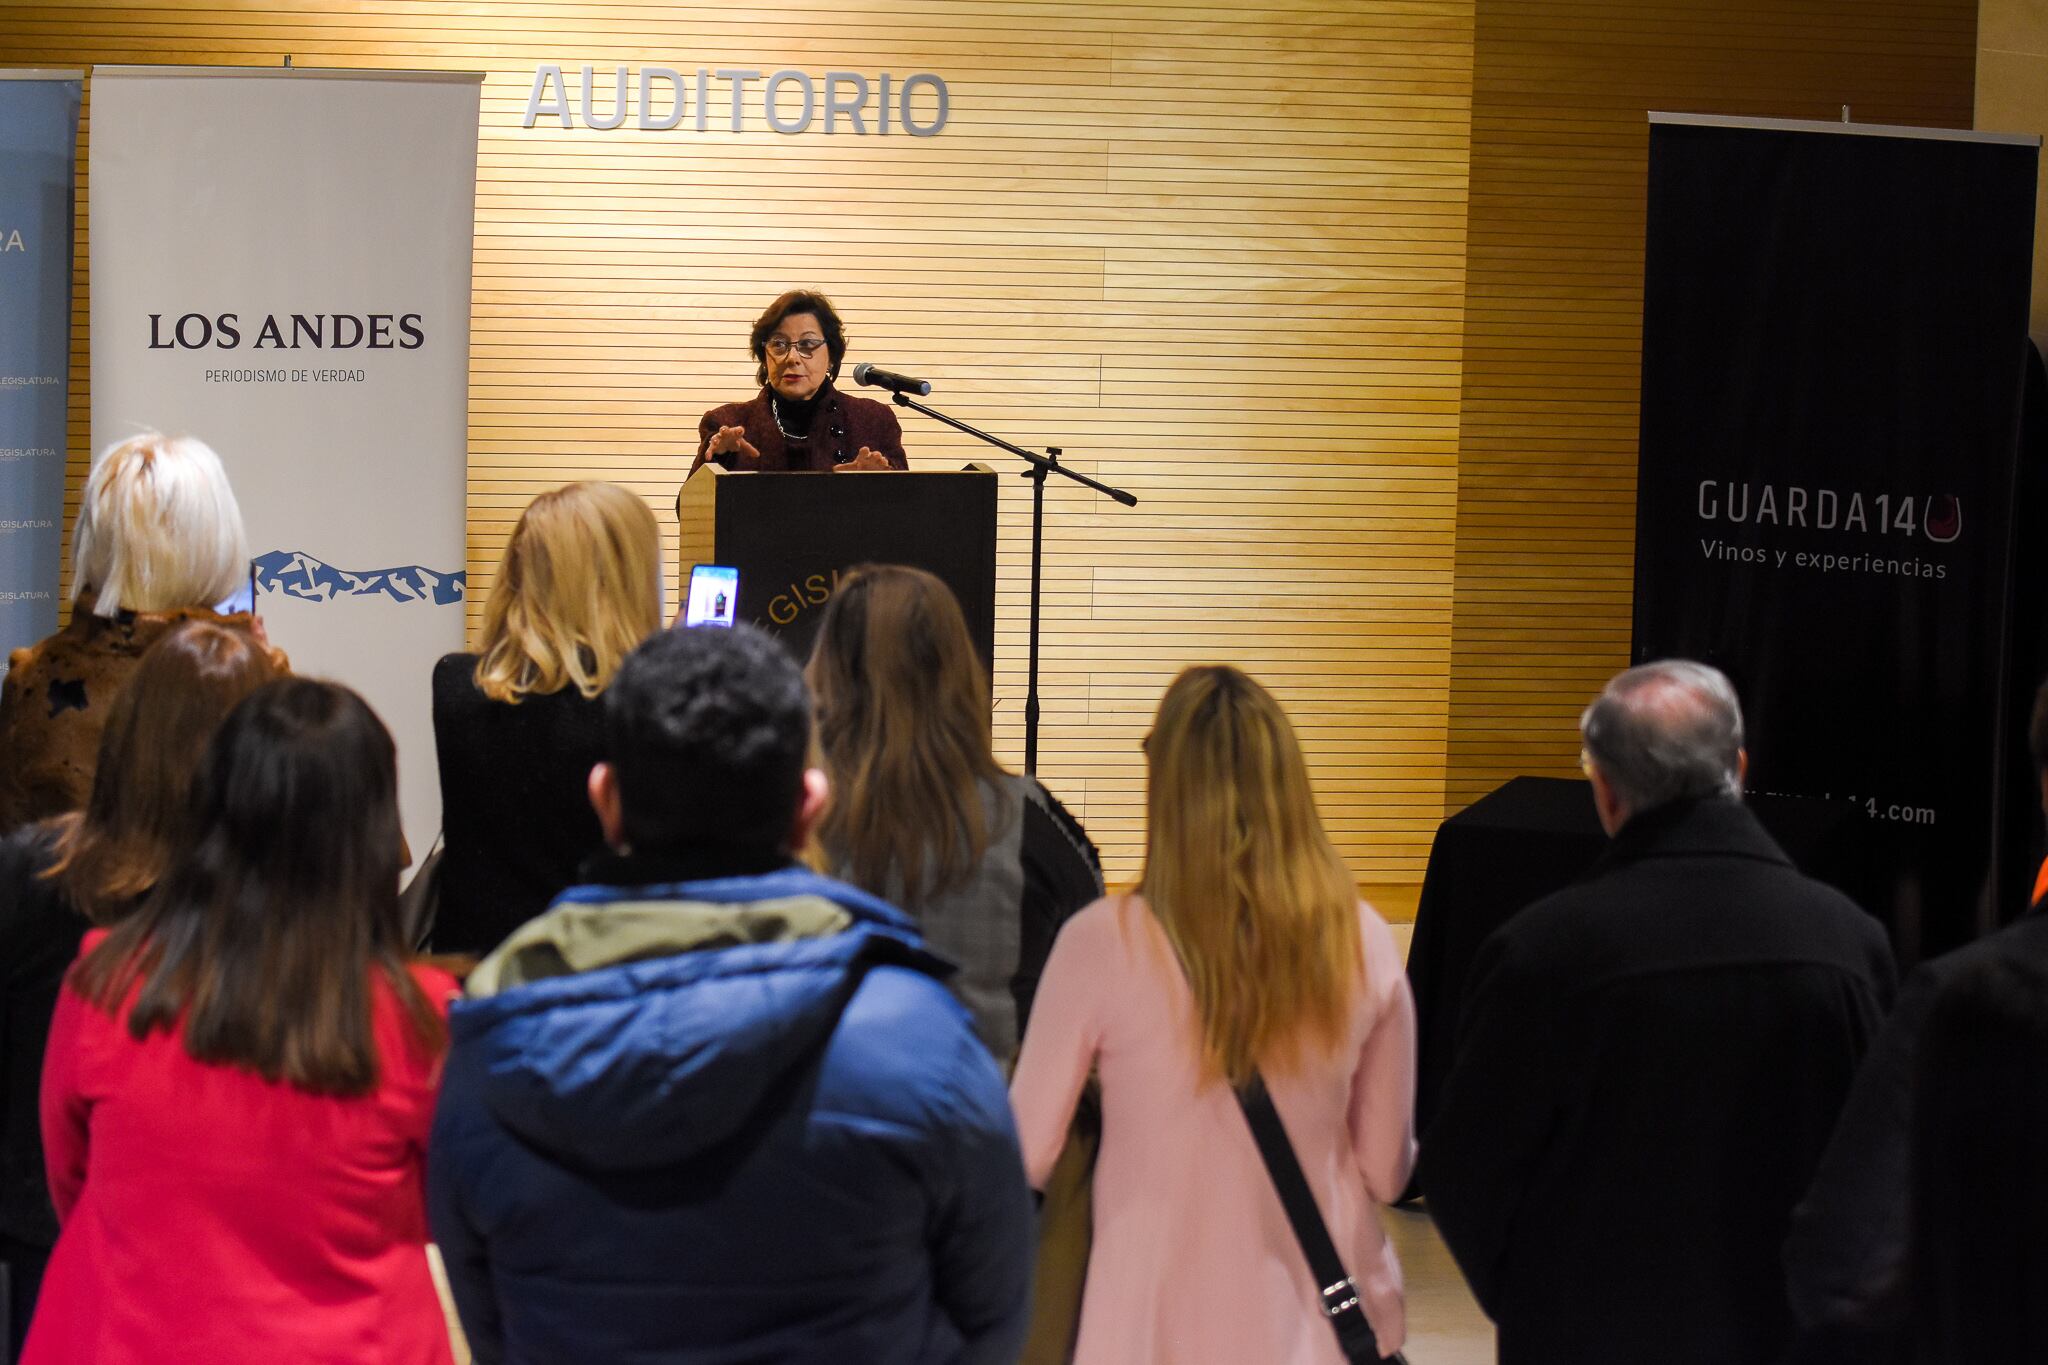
column 796, row 416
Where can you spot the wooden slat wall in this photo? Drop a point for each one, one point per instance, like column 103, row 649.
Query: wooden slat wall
column 1546, row 497
column 2012, row 97
column 1218, row 253
column 1215, row 252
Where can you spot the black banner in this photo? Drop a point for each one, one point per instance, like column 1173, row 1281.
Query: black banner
column 1834, row 347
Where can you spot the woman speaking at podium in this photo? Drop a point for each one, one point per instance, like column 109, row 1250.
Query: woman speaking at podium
column 799, row 420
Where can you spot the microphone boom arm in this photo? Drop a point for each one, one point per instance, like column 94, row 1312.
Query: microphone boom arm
column 1039, row 462
column 1041, row 465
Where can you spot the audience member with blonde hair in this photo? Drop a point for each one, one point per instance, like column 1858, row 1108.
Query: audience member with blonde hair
column 519, row 724
column 922, row 815
column 158, row 541
column 1244, row 953
column 59, row 877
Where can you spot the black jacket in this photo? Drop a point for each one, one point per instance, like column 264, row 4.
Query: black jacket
column 39, row 937
column 516, row 821
column 1648, row 1066
column 1062, row 873
column 1845, row 1260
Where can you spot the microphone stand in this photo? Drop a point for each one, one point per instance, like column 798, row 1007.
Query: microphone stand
column 1041, row 465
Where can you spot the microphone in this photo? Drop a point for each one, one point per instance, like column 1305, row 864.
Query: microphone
column 876, row 377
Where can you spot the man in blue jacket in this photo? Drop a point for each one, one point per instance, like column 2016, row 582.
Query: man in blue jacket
column 712, row 1107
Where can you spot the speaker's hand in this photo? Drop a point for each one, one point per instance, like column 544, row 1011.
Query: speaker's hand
column 866, row 460
column 731, row 440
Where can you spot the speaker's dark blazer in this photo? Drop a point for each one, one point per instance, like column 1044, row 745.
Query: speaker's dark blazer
column 839, row 428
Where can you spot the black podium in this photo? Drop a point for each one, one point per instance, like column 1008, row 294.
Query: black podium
column 793, row 535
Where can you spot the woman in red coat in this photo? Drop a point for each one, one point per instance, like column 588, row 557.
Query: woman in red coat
column 241, row 1077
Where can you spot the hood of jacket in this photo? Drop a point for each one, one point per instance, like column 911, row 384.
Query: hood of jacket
column 632, row 1027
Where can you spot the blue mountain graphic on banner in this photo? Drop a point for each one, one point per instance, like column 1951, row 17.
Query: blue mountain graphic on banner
column 298, row 574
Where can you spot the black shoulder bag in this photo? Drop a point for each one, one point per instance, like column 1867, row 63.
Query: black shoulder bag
column 1337, row 1292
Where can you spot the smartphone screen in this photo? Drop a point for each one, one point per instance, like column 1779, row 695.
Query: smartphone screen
column 714, row 596
column 243, row 598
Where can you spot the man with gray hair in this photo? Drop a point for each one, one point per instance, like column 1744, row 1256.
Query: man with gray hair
column 1650, row 1061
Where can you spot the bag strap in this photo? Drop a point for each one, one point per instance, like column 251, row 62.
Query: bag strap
column 1338, row 1291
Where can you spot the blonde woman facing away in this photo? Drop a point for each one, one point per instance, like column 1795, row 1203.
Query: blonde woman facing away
column 1245, row 948
column 988, row 863
column 158, row 542
column 519, row 724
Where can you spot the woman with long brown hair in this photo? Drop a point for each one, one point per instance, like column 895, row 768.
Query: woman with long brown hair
column 241, row 1074
column 922, row 815
column 1244, row 953
column 60, row 877
column 519, row 724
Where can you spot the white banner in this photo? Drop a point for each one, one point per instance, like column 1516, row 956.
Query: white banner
column 281, row 266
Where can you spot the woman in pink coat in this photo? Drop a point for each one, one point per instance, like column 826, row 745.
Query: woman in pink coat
column 1245, row 949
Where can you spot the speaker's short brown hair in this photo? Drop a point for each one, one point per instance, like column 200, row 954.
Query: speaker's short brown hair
column 797, row 301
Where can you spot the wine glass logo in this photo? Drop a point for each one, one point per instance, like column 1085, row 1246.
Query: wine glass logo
column 1944, row 519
